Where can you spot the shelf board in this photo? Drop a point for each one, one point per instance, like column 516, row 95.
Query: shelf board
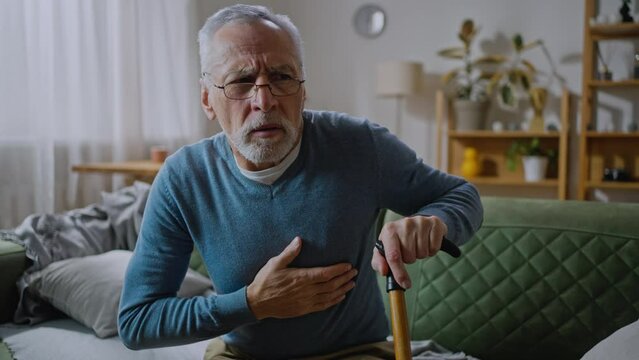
column 502, row 134
column 141, row 167
column 493, row 180
column 612, row 135
column 622, row 185
column 614, row 31
column 613, row 84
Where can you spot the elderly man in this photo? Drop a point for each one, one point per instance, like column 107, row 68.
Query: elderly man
column 282, row 207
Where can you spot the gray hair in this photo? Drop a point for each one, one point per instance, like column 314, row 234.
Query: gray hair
column 245, row 14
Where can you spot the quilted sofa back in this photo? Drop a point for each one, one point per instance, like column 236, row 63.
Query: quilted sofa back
column 541, row 279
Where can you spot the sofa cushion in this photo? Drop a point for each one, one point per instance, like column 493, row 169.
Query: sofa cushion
column 5, row 353
column 196, row 263
column 540, row 277
column 88, row 288
column 66, row 339
column 13, row 262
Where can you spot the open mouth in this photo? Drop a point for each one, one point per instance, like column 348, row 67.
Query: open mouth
column 267, row 130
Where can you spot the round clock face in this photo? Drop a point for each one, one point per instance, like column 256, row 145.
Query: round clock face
column 369, row 21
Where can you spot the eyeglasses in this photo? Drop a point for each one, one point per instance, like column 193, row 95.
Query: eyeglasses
column 246, row 90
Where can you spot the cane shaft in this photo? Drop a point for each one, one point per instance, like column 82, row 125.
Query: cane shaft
column 399, row 323
column 399, row 318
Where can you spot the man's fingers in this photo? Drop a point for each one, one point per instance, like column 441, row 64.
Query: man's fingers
column 280, row 291
column 288, row 254
column 326, row 273
column 341, row 290
column 409, row 245
column 436, row 238
column 396, row 265
column 327, row 304
column 379, row 263
column 336, row 282
column 393, row 252
column 326, row 300
column 423, row 248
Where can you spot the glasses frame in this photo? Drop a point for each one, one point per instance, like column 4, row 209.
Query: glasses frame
column 255, row 89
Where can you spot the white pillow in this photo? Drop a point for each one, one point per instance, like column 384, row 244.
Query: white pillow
column 623, row 344
column 88, row 288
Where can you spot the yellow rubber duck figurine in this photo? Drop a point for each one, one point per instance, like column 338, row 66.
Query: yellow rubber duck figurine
column 470, row 165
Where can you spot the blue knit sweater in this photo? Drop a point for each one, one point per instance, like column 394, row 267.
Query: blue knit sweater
column 347, row 170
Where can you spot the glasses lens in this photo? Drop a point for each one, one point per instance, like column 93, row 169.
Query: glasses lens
column 239, row 91
column 285, row 87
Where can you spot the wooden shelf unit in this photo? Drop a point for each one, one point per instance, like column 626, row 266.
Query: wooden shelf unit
column 609, row 31
column 598, row 150
column 612, row 135
column 620, row 185
column 503, row 134
column 492, row 146
column 613, row 84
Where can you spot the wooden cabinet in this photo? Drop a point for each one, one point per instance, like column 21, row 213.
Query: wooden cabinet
column 495, row 178
column 600, row 150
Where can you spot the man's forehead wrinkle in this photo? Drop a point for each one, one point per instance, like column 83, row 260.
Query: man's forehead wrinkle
column 236, row 58
column 226, row 58
column 252, row 71
column 242, row 71
column 281, row 68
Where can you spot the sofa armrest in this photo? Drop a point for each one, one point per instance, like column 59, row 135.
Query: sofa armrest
column 13, row 262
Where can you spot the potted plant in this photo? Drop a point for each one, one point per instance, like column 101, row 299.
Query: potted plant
column 518, row 79
column 513, row 81
column 535, row 159
column 468, row 82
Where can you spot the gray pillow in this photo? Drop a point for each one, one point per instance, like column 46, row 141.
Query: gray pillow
column 88, row 288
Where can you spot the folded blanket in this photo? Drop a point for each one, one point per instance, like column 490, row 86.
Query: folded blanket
column 112, row 224
column 430, row 350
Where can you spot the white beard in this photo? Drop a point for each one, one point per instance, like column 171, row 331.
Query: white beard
column 259, row 151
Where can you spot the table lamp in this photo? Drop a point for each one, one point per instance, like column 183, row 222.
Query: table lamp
column 398, row 79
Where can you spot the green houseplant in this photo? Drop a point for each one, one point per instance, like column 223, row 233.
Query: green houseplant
column 518, row 79
column 467, row 83
column 535, row 159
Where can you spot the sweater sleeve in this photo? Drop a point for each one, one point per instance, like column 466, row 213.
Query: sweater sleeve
column 150, row 314
column 409, row 187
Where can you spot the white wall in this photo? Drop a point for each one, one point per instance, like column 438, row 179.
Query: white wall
column 341, row 65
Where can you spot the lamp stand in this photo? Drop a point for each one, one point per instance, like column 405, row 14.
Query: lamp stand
column 398, row 115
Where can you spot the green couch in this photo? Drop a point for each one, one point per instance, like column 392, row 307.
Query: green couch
column 541, row 279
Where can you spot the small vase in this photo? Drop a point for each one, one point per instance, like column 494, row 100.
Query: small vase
column 537, row 122
column 470, row 165
column 538, row 98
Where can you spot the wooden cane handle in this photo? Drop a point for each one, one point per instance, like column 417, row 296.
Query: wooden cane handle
column 399, row 323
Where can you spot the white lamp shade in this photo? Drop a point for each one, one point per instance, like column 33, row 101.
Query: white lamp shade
column 398, row 78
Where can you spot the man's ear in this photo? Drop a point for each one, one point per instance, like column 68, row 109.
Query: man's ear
column 206, row 104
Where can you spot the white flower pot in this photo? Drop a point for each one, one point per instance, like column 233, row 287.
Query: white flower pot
column 535, row 167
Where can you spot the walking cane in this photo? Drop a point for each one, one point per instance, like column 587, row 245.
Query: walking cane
column 399, row 319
